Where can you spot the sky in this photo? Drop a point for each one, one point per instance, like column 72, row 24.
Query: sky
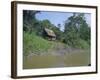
column 59, row 17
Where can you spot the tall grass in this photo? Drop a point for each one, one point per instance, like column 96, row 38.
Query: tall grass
column 34, row 44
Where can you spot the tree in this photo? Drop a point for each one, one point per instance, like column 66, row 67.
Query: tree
column 29, row 20
column 85, row 32
column 76, row 29
column 46, row 24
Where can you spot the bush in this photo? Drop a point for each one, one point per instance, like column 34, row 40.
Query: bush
column 82, row 44
column 77, row 43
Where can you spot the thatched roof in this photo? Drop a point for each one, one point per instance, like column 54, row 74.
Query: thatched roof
column 50, row 32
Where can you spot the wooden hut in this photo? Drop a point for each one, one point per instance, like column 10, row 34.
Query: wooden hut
column 49, row 34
